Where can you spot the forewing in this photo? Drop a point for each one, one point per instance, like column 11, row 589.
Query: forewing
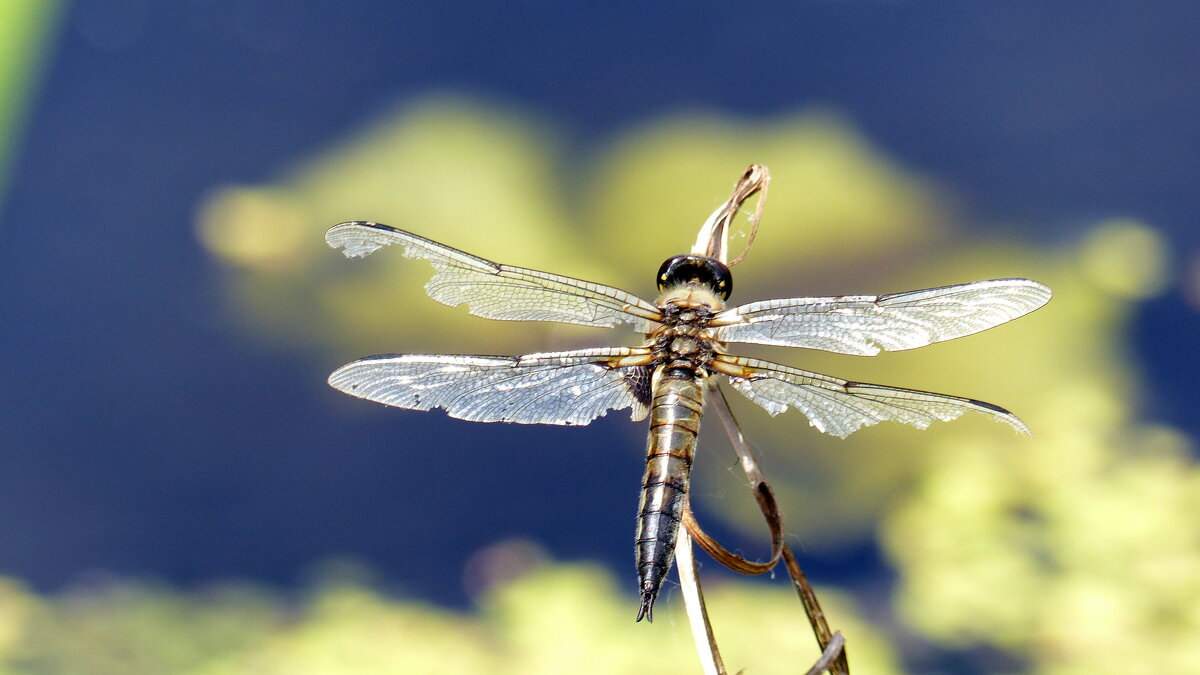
column 865, row 324
column 840, row 407
column 495, row 291
column 566, row 388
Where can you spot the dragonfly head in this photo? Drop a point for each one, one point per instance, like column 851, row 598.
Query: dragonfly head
column 681, row 270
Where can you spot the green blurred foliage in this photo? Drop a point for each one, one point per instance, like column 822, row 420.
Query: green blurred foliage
column 1076, row 551
column 26, row 27
column 549, row 619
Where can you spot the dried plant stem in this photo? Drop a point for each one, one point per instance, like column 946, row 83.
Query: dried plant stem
column 693, row 600
column 830, row 657
column 713, row 241
column 816, row 616
column 735, row 562
column 713, row 238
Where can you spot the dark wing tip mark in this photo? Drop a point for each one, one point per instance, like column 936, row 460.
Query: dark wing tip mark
column 990, row 406
column 372, row 224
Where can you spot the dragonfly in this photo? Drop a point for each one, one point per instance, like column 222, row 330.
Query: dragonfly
column 683, row 355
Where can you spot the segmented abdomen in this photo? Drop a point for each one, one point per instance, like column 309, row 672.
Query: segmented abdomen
column 674, row 424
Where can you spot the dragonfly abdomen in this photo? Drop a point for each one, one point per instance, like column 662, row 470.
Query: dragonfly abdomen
column 674, row 425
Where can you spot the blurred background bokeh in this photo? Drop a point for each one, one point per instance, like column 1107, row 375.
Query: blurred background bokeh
column 180, row 492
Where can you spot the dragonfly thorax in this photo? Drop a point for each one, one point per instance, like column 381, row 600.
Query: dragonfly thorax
column 684, row 340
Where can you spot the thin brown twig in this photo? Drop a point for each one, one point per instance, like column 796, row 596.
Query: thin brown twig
column 713, row 239
column 756, row 179
column 816, row 616
column 735, row 562
column 830, row 656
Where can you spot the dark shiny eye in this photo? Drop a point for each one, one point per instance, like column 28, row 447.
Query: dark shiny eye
column 684, row 269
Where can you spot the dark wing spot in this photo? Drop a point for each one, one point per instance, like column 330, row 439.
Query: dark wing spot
column 638, row 379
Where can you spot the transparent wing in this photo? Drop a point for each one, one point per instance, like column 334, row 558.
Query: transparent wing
column 556, row 388
column 495, row 291
column 839, row 407
column 865, row 324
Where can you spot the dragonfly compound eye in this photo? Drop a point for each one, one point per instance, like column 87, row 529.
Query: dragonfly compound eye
column 686, row 269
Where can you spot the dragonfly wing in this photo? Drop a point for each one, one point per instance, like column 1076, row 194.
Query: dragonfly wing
column 568, row 388
column 865, row 324
column 839, row 407
column 495, row 291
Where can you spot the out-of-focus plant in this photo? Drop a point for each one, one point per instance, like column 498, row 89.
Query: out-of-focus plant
column 25, row 26
column 551, row 619
column 1080, row 550
column 1072, row 551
